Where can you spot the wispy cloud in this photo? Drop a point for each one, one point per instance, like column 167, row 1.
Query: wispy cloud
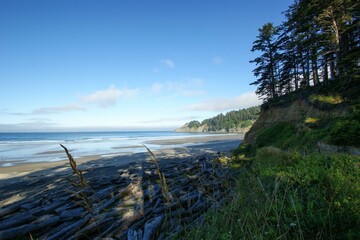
column 168, row 63
column 6, row 111
column 157, row 87
column 218, row 60
column 34, row 124
column 108, row 97
column 170, row 119
column 47, row 110
column 244, row 100
column 187, row 88
column 102, row 98
column 59, row 109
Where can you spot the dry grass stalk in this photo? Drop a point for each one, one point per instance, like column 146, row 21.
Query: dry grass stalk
column 74, row 167
column 81, row 195
column 164, row 187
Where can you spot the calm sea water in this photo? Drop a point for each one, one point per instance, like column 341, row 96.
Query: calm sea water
column 16, row 148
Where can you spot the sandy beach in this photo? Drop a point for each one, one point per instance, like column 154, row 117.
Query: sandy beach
column 23, row 176
column 115, row 186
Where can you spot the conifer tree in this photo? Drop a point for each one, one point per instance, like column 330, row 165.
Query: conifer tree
column 267, row 63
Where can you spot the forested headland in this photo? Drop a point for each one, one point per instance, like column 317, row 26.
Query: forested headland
column 233, row 121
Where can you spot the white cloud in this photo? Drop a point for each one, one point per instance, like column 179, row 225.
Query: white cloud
column 59, row 109
column 168, row 63
column 47, row 110
column 170, row 119
column 218, row 60
column 35, row 124
column 6, row 111
column 108, row 97
column 187, row 88
column 157, row 87
column 244, row 100
column 191, row 93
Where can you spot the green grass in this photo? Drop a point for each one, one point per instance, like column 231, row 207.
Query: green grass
column 292, row 136
column 280, row 135
column 285, row 188
column 346, row 131
column 329, row 99
column 299, row 197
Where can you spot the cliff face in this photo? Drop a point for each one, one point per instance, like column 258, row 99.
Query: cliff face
column 296, row 111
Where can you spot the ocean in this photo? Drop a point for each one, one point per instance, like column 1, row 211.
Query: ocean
column 17, row 148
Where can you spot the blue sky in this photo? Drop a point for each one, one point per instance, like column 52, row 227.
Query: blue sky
column 126, row 65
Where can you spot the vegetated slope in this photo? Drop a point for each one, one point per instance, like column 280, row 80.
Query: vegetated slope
column 309, row 118
column 288, row 187
column 234, row 121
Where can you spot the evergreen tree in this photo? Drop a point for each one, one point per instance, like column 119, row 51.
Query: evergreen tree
column 319, row 41
column 267, row 63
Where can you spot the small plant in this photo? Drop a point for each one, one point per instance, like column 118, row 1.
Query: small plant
column 284, row 132
column 81, row 195
column 164, row 187
column 315, row 197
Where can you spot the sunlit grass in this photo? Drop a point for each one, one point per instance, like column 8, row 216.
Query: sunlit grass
column 312, row 120
column 330, row 99
column 297, row 197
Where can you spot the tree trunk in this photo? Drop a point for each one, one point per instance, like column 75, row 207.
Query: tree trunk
column 332, row 69
column 307, row 68
column 325, row 76
column 272, row 72
column 296, row 76
column 337, row 46
column 314, row 67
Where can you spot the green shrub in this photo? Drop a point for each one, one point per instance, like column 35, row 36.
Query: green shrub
column 279, row 135
column 272, row 157
column 346, row 132
column 310, row 197
column 244, row 151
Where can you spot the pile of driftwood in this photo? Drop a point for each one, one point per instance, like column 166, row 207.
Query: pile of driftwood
column 149, row 200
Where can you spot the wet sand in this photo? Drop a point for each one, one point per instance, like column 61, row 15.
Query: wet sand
column 202, row 139
column 212, row 143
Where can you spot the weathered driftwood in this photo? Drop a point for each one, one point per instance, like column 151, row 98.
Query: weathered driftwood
column 45, row 209
column 8, row 210
column 44, row 222
column 128, row 205
column 108, row 232
column 71, row 229
column 30, row 205
column 127, row 222
column 16, row 221
column 151, row 227
column 73, row 213
column 95, row 227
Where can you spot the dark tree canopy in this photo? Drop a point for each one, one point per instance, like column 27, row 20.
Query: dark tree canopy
column 318, row 42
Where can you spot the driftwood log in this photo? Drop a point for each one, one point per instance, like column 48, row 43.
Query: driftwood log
column 129, row 205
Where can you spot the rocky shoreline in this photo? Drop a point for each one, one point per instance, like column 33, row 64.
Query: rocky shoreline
column 125, row 203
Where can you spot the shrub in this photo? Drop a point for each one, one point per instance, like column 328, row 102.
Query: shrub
column 279, row 135
column 313, row 197
column 272, row 157
column 346, row 132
